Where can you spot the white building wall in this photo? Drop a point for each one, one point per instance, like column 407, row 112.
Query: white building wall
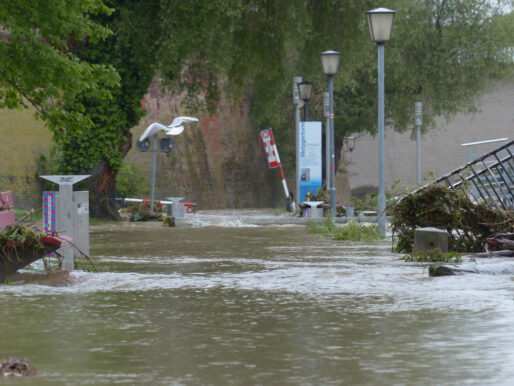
column 441, row 149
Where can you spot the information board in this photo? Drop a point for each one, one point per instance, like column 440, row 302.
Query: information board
column 310, row 158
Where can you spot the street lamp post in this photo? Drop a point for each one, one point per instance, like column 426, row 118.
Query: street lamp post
column 297, row 101
column 330, row 63
column 418, row 120
column 380, row 22
column 326, row 113
column 143, row 144
column 305, row 91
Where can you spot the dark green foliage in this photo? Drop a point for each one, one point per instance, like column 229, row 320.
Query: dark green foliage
column 433, row 256
column 37, row 65
column 131, row 51
column 467, row 224
column 131, row 182
column 85, row 66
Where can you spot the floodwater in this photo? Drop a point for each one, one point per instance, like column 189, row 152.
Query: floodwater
column 236, row 304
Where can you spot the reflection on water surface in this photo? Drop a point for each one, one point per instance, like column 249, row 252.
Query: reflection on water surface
column 258, row 305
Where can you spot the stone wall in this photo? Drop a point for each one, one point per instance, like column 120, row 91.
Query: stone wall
column 215, row 162
column 23, row 140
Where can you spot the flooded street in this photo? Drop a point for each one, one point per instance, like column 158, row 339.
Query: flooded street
column 241, row 304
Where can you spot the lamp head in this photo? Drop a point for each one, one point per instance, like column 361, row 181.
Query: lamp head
column 305, row 90
column 330, row 61
column 380, row 23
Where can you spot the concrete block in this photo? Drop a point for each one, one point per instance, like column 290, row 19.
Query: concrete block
column 426, row 239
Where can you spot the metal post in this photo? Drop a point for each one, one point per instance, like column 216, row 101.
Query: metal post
column 418, row 120
column 418, row 139
column 306, row 111
column 154, row 162
column 332, row 150
column 326, row 107
column 381, row 189
column 296, row 100
column 66, row 217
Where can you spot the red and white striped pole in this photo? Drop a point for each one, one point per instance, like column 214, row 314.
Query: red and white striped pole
column 270, row 147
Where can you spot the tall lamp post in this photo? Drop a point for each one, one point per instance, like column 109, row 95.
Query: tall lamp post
column 297, row 101
column 305, row 91
column 330, row 63
column 380, row 22
column 326, row 113
column 418, row 120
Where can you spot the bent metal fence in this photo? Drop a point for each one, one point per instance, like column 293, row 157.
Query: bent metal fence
column 488, row 179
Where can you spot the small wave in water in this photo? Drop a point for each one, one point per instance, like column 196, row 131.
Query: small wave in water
column 382, row 284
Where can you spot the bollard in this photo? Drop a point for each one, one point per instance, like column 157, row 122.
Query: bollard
column 177, row 209
column 426, row 239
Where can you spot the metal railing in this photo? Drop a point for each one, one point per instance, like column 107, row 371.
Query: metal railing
column 488, row 179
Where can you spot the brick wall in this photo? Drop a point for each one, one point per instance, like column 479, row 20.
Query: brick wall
column 215, row 162
column 23, row 139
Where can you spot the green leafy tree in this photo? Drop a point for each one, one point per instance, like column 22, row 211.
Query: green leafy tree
column 37, row 65
column 131, row 50
column 443, row 52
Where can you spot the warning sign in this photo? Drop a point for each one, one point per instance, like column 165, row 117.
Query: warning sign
column 270, row 148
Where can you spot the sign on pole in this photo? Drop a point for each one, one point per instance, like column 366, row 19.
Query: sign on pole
column 310, row 158
column 270, row 147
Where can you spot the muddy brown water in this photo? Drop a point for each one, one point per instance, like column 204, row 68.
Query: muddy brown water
column 228, row 303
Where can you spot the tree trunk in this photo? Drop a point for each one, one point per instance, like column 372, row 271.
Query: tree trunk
column 343, row 193
column 103, row 183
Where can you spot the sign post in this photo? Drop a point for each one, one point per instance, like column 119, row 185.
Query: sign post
column 418, row 119
column 298, row 104
column 272, row 155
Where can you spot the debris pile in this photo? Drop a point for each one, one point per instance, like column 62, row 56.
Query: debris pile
column 471, row 227
column 22, row 244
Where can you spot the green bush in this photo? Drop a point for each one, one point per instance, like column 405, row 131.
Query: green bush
column 352, row 231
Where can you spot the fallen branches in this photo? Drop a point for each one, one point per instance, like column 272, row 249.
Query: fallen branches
column 468, row 224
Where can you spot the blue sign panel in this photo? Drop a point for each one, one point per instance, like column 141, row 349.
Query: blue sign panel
column 310, row 158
